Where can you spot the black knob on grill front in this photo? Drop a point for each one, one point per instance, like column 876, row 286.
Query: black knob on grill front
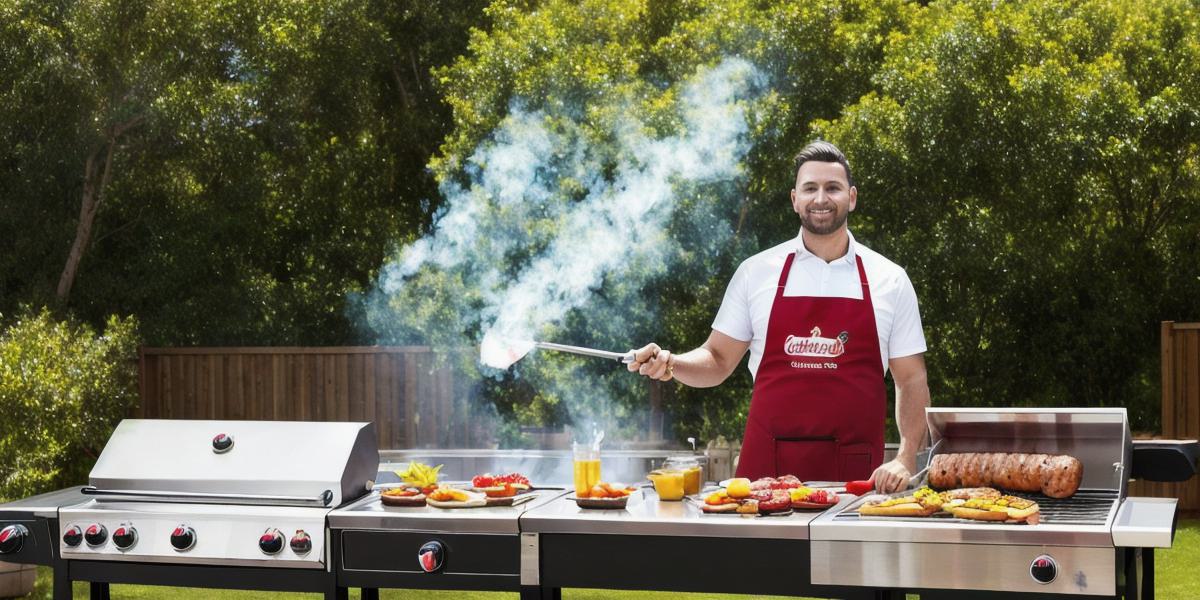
column 183, row 538
column 73, row 536
column 12, row 538
column 125, row 536
column 431, row 556
column 271, row 541
column 1043, row 569
column 95, row 535
column 301, row 542
column 221, row 443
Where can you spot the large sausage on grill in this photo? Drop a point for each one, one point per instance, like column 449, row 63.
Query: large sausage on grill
column 1057, row 476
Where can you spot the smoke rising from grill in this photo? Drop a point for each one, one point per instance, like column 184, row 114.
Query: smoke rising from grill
column 551, row 211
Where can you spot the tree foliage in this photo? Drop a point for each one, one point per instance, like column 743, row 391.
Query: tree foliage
column 63, row 387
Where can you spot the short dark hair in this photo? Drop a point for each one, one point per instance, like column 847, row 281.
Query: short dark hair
column 822, row 151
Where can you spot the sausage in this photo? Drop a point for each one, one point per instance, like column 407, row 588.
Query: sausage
column 1057, row 476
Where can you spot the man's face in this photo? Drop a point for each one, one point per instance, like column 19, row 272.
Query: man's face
column 823, row 197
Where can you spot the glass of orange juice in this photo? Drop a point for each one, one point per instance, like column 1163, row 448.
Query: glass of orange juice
column 587, row 469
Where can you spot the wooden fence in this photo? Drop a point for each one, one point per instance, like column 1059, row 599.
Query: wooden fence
column 1180, row 406
column 410, row 398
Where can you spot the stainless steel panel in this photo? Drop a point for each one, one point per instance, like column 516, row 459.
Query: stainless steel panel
column 1084, row 571
column 650, row 516
column 45, row 505
column 530, row 559
column 275, row 458
column 1145, row 523
column 225, row 535
column 1098, row 437
column 370, row 513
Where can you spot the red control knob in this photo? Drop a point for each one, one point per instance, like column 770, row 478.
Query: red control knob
column 73, row 536
column 271, row 541
column 431, row 556
column 95, row 535
column 12, row 538
column 301, row 542
column 183, row 538
column 124, row 537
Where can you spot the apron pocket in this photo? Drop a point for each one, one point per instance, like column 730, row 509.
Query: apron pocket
column 811, row 458
column 854, row 462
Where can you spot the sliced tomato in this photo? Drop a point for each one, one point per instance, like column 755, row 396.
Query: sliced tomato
column 859, row 488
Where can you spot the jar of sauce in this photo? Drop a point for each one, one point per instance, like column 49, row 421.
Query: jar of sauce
column 693, row 472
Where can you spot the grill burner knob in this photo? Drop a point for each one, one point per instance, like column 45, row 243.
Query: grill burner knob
column 1043, row 569
column 12, row 538
column 95, row 535
column 73, row 536
column 271, row 541
column 301, row 542
column 222, row 442
column 431, row 556
column 183, row 538
column 125, row 537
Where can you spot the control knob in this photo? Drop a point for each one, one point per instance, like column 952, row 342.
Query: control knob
column 271, row 541
column 12, row 538
column 1043, row 569
column 183, row 538
column 221, row 443
column 431, row 556
column 73, row 536
column 95, row 535
column 125, row 536
column 301, row 542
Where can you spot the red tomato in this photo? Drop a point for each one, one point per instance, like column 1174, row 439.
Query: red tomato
column 482, row 481
column 859, row 488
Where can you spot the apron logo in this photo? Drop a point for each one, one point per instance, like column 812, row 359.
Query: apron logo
column 815, row 345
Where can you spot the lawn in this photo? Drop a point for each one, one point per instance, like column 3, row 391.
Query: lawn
column 1177, row 573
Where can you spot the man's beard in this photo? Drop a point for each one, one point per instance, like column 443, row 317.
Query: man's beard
column 839, row 219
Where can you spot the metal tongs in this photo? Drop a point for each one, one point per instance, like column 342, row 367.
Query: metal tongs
column 626, row 357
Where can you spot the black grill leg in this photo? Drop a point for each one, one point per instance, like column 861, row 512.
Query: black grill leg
column 1147, row 573
column 534, row 592
column 100, row 591
column 370, row 594
column 62, row 584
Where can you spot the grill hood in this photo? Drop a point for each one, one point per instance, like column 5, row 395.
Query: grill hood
column 329, row 463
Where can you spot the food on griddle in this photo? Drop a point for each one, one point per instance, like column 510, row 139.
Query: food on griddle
column 720, row 502
column 786, row 482
column 449, row 497
column 1057, row 476
column 605, row 495
column 969, row 494
column 1009, row 509
column 748, row 506
column 420, row 475
column 739, row 487
column 806, row 498
column 402, row 496
column 921, row 503
column 773, row 501
column 859, row 488
column 500, row 486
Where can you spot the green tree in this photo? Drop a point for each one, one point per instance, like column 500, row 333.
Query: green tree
column 63, row 387
column 1035, row 166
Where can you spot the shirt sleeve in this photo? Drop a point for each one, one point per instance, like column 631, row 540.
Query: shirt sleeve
column 907, row 336
column 733, row 318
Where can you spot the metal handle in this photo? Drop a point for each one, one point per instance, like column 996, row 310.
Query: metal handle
column 626, row 357
column 324, row 499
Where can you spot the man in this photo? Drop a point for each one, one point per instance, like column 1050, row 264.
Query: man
column 823, row 318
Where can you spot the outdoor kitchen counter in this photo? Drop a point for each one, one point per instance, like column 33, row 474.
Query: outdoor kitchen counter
column 647, row 515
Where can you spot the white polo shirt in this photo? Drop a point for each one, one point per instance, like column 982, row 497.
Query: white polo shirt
column 746, row 308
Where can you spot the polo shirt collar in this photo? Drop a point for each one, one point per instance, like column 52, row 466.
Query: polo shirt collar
column 802, row 253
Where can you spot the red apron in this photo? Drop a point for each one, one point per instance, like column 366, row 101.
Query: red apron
column 819, row 401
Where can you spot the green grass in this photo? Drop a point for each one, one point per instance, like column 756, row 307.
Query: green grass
column 1177, row 572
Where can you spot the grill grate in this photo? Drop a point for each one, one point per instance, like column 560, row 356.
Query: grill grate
column 1086, row 507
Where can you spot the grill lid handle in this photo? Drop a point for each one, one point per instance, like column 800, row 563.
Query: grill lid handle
column 324, row 499
column 1165, row 460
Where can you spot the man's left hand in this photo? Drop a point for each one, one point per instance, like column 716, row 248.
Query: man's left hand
column 890, row 477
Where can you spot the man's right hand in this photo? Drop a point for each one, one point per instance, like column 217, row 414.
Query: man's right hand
column 653, row 362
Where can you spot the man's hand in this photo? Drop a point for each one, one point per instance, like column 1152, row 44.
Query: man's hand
column 653, row 362
column 890, row 477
